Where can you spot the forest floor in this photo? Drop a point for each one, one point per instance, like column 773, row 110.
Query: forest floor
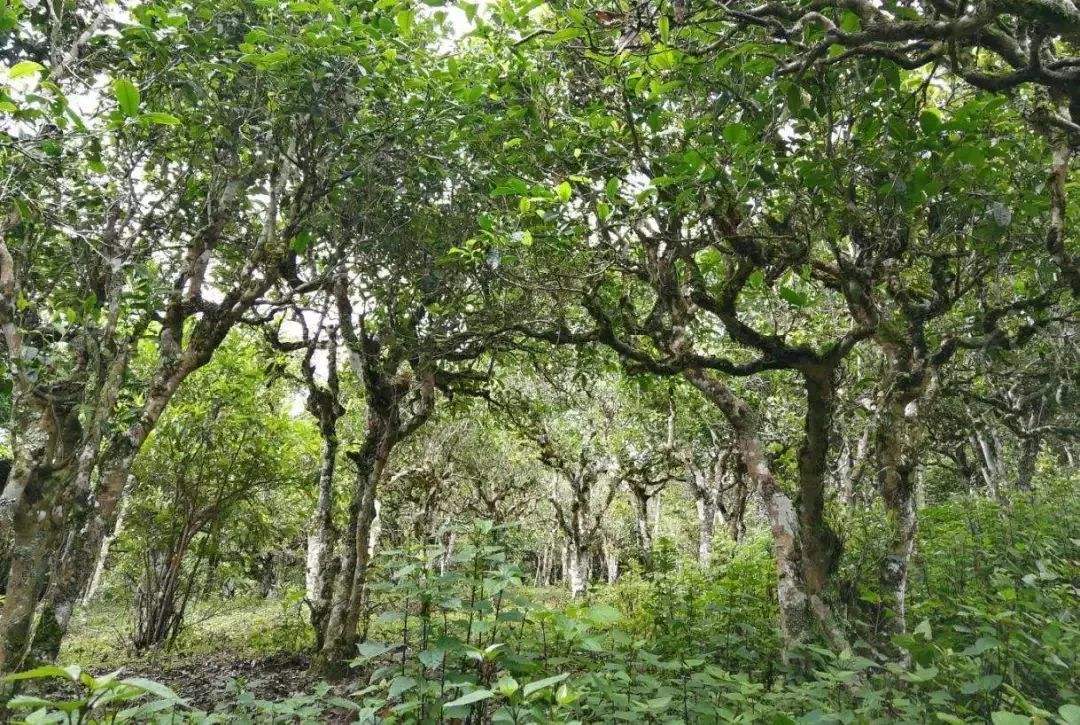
column 251, row 643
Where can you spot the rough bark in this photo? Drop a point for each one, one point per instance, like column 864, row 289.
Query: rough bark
column 1025, row 467
column 611, row 559
column 321, row 564
column 575, row 570
column 103, row 556
column 791, row 591
column 820, row 545
column 340, row 634
column 898, row 493
column 706, row 513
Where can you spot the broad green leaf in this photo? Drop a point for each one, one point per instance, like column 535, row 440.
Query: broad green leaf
column 1003, row 717
column 127, row 96
column 794, row 297
column 164, row 119
column 538, row 685
column 566, row 34
column 986, row 683
column 154, row 688
column 736, row 134
column 1070, row 714
column 24, row 68
column 401, row 684
column 39, row 673
column 563, row 191
column 930, row 121
column 470, row 698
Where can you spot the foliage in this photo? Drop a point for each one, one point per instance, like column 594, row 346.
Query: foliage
column 1000, row 641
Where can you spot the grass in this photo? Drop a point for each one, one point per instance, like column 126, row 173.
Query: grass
column 244, row 626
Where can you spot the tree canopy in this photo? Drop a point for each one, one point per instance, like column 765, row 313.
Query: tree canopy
column 457, row 328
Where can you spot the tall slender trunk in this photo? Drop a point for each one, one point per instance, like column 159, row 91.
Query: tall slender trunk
column 103, row 556
column 320, row 563
column 1025, row 467
column 792, row 597
column 898, row 493
column 575, row 569
column 447, row 555
column 992, row 465
column 611, row 559
column 820, row 545
column 340, row 634
column 641, row 522
column 706, row 513
column 910, row 382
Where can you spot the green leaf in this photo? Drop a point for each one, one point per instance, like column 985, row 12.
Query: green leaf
column 794, row 297
column 127, row 96
column 538, row 685
column 404, row 20
column 565, row 34
column 401, row 684
column 986, row 683
column 611, row 188
column 24, row 68
column 736, row 134
column 930, row 121
column 470, row 698
column 301, row 241
column 921, row 674
column 604, row 614
column 164, row 119
column 1002, row 717
column 982, row 644
column 563, row 191
column 507, row 686
column 25, row 702
column 1070, row 714
column 154, row 688
column 849, row 22
column 40, row 673
column 924, row 629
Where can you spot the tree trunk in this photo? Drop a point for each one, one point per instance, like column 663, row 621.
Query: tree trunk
column 35, row 498
column 27, row 577
column 820, row 545
column 321, row 565
column 706, row 512
column 447, row 551
column 611, row 559
column 897, row 490
column 575, row 569
column 792, row 597
column 1025, row 467
column 340, row 637
column 641, row 522
column 103, row 555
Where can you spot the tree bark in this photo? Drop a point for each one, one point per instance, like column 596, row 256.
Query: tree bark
column 706, row 513
column 575, row 569
column 611, row 559
column 820, row 545
column 897, row 490
column 1025, row 467
column 320, row 563
column 791, row 592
